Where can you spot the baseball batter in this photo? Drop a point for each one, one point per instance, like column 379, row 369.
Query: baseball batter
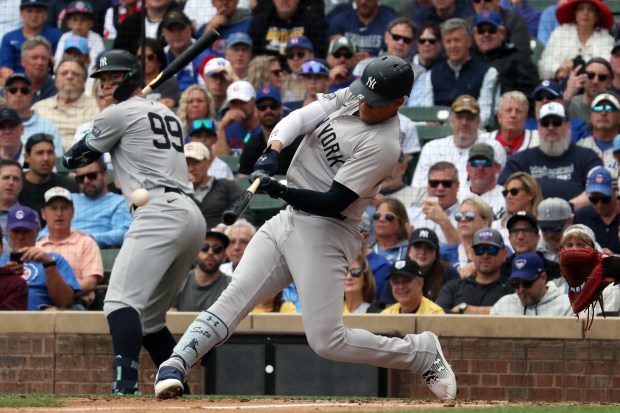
column 350, row 146
column 145, row 141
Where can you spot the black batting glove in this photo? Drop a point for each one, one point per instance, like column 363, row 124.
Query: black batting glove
column 268, row 185
column 268, row 161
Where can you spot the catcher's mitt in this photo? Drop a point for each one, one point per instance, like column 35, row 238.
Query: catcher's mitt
column 582, row 268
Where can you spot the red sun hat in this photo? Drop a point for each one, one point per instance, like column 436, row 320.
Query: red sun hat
column 566, row 13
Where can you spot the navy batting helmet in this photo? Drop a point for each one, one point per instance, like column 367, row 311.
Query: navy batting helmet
column 385, row 79
column 117, row 60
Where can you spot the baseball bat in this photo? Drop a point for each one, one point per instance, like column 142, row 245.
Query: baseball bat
column 239, row 206
column 180, row 62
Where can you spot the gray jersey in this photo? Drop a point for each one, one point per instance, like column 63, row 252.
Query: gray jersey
column 346, row 150
column 151, row 153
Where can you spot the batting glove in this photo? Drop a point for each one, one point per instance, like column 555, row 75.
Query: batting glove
column 268, row 161
column 268, row 185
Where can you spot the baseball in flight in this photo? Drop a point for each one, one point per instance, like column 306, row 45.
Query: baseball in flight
column 140, row 197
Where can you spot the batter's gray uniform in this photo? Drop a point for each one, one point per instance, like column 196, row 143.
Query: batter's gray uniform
column 314, row 251
column 145, row 141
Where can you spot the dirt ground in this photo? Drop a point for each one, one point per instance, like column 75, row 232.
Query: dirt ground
column 262, row 405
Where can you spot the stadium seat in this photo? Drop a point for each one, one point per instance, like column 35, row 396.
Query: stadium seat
column 427, row 113
column 108, row 255
column 232, row 161
column 427, row 133
column 537, row 48
column 60, row 168
column 397, row 5
column 541, row 5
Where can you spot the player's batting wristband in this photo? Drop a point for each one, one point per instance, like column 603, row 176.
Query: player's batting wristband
column 611, row 267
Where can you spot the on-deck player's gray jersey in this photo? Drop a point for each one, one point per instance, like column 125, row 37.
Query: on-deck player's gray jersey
column 151, row 156
column 346, row 150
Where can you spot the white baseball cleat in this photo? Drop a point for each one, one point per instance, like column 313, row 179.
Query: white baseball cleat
column 169, row 382
column 440, row 377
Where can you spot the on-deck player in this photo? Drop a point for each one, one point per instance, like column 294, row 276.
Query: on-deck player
column 145, row 141
column 350, row 146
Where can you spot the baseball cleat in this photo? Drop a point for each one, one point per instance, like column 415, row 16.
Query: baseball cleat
column 440, row 377
column 169, row 383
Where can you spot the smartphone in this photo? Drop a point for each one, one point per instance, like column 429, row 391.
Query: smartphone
column 16, row 257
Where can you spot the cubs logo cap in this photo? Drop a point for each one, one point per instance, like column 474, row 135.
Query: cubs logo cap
column 240, row 90
column 268, row 92
column 490, row 17
column 197, row 150
column 601, row 180
column 550, row 86
column 385, row 79
column 237, row 38
column 57, row 192
column 554, row 211
column 527, row 266
column 522, row 216
column 22, row 217
column 424, row 235
column 407, row 268
column 488, row 236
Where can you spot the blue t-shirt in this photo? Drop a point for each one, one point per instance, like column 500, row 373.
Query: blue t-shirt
column 237, row 136
column 368, row 38
column 34, row 274
column 189, row 74
column 11, row 47
column 380, row 270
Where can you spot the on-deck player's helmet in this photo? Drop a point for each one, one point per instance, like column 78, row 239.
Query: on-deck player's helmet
column 385, row 79
column 117, row 60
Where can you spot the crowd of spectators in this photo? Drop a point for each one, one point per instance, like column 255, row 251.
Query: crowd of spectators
column 470, row 222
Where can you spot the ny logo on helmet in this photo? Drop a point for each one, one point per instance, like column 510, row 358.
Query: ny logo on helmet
column 371, row 82
column 103, row 61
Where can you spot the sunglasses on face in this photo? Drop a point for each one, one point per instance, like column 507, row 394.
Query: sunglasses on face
column 606, row 108
column 278, row 72
column 601, row 76
column 469, row 216
column 522, row 283
column 427, row 40
column 292, row 55
column 346, row 55
column 397, row 37
column 91, row 177
column 203, row 123
column 389, row 217
column 487, row 29
column 526, row 230
column 356, row 272
column 485, row 163
column 217, row 249
column 546, row 96
column 557, row 228
column 149, row 57
column 556, row 122
column 596, row 199
column 492, row 250
column 24, row 90
column 434, row 183
column 478, row 1
column 511, row 191
column 262, row 106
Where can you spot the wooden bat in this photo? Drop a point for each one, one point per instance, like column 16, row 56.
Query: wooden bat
column 240, row 205
column 180, row 62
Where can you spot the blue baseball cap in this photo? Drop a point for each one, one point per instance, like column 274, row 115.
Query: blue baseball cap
column 550, row 86
column 527, row 266
column 314, row 67
column 203, row 124
column 33, row 3
column 74, row 41
column 488, row 16
column 237, row 38
column 299, row 41
column 600, row 180
column 268, row 92
column 616, row 142
column 22, row 217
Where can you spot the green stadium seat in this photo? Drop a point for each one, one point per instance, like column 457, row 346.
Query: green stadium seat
column 427, row 133
column 537, row 48
column 427, row 113
column 60, row 168
column 232, row 161
column 397, row 5
column 108, row 255
column 541, row 5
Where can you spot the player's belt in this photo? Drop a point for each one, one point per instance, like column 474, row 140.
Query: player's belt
column 169, row 189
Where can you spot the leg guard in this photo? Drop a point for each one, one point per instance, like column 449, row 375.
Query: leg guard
column 125, row 376
column 205, row 332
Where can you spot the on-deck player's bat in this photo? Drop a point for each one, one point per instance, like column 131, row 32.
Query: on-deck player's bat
column 239, row 206
column 180, row 62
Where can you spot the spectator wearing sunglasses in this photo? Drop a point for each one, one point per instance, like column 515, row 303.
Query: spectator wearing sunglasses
column 270, row 112
column 359, row 288
column 482, row 171
column 213, row 195
column 524, row 236
column 204, row 130
column 559, row 166
column 465, row 122
column 315, row 78
column 298, row 51
column 517, row 31
column 365, row 25
column 11, row 130
column 605, row 126
column 428, row 45
column 522, row 193
column 477, row 293
column 154, row 62
column 551, row 91
column 534, row 294
column 341, row 59
column 597, row 78
column 407, row 282
column 585, row 26
column 554, row 216
column 439, row 11
column 391, row 229
column 206, row 282
column 602, row 214
column 516, row 71
column 399, row 37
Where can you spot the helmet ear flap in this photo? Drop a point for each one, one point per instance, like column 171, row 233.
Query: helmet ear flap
column 127, row 86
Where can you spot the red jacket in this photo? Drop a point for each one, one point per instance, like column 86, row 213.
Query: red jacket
column 13, row 293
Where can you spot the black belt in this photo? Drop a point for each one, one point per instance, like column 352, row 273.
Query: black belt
column 169, row 189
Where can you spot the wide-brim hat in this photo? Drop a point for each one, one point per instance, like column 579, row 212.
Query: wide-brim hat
column 566, row 13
